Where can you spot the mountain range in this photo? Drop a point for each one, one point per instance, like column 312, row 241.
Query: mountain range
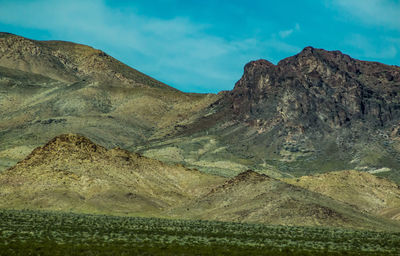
column 312, row 140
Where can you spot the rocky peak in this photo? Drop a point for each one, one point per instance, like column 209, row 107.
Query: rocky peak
column 257, row 65
column 313, row 60
column 253, row 71
column 71, row 140
column 318, row 88
column 68, row 144
column 63, row 149
column 310, row 51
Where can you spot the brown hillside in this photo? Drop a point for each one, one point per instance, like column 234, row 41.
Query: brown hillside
column 363, row 190
column 253, row 197
column 71, row 173
column 52, row 87
column 69, row 62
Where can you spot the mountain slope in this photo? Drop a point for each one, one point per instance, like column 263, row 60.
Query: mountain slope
column 363, row 190
column 69, row 62
column 53, row 87
column 252, row 197
column 71, row 173
column 314, row 112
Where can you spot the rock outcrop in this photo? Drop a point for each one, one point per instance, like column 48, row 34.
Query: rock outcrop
column 318, row 89
column 313, row 112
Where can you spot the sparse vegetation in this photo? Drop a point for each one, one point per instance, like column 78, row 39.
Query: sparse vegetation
column 50, row 233
column 361, row 189
column 281, row 120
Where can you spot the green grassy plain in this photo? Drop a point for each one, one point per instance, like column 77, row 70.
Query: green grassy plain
column 51, row 233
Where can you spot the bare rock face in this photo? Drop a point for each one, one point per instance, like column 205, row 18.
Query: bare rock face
column 314, row 112
column 318, row 89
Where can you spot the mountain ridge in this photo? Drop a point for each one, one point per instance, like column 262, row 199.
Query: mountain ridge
column 81, row 61
column 73, row 174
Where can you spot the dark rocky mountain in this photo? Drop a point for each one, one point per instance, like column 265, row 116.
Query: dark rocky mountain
column 318, row 89
column 313, row 112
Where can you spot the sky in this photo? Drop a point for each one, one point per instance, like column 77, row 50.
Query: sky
column 203, row 45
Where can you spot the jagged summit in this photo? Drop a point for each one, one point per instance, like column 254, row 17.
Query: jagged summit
column 311, row 51
column 261, row 63
column 318, row 87
column 306, row 61
column 312, row 61
column 321, row 61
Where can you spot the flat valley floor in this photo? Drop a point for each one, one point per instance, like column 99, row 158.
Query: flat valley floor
column 26, row 232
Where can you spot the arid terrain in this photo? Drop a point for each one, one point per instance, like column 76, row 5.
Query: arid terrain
column 71, row 173
column 311, row 141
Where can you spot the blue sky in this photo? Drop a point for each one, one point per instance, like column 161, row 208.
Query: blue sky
column 202, row 45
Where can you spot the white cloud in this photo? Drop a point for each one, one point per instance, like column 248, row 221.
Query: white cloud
column 286, row 33
column 373, row 12
column 365, row 48
column 176, row 51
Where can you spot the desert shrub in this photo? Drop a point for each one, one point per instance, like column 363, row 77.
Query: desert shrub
column 51, row 233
